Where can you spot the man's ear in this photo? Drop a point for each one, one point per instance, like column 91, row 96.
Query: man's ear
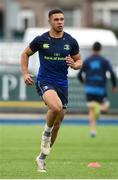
column 49, row 21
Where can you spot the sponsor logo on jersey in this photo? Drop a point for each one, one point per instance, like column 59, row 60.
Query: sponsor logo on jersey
column 46, row 46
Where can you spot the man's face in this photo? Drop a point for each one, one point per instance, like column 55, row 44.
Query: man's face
column 57, row 22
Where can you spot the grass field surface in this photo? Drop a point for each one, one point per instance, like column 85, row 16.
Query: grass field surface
column 73, row 150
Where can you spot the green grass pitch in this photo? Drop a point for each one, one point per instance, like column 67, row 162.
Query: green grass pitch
column 73, row 150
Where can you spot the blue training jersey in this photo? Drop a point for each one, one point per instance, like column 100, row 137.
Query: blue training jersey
column 52, row 52
column 93, row 74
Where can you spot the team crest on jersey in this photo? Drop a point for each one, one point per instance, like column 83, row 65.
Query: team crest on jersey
column 67, row 47
column 45, row 88
column 46, row 46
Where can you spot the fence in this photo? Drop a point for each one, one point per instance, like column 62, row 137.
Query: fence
column 15, row 96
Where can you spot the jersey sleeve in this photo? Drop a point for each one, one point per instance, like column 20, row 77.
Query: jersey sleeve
column 34, row 44
column 74, row 47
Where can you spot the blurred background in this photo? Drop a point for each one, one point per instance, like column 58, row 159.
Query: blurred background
column 87, row 21
column 17, row 16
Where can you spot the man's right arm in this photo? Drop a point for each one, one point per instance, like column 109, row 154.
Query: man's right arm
column 24, row 65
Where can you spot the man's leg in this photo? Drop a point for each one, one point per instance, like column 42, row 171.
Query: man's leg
column 94, row 114
column 55, row 108
column 92, row 122
column 105, row 106
column 56, row 126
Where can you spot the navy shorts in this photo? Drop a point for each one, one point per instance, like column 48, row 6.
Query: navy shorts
column 99, row 99
column 62, row 92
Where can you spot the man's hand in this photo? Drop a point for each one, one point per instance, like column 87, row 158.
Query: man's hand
column 114, row 89
column 28, row 79
column 74, row 62
column 70, row 62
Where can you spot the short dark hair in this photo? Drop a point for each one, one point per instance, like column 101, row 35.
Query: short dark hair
column 97, row 46
column 54, row 11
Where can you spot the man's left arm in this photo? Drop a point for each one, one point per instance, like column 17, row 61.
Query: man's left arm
column 74, row 61
column 113, row 77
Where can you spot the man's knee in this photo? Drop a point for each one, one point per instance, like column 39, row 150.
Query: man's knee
column 57, row 108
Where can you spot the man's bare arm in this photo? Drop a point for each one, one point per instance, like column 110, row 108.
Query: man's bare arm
column 75, row 62
column 24, row 66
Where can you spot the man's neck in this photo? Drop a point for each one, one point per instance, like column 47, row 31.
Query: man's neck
column 56, row 34
column 96, row 52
